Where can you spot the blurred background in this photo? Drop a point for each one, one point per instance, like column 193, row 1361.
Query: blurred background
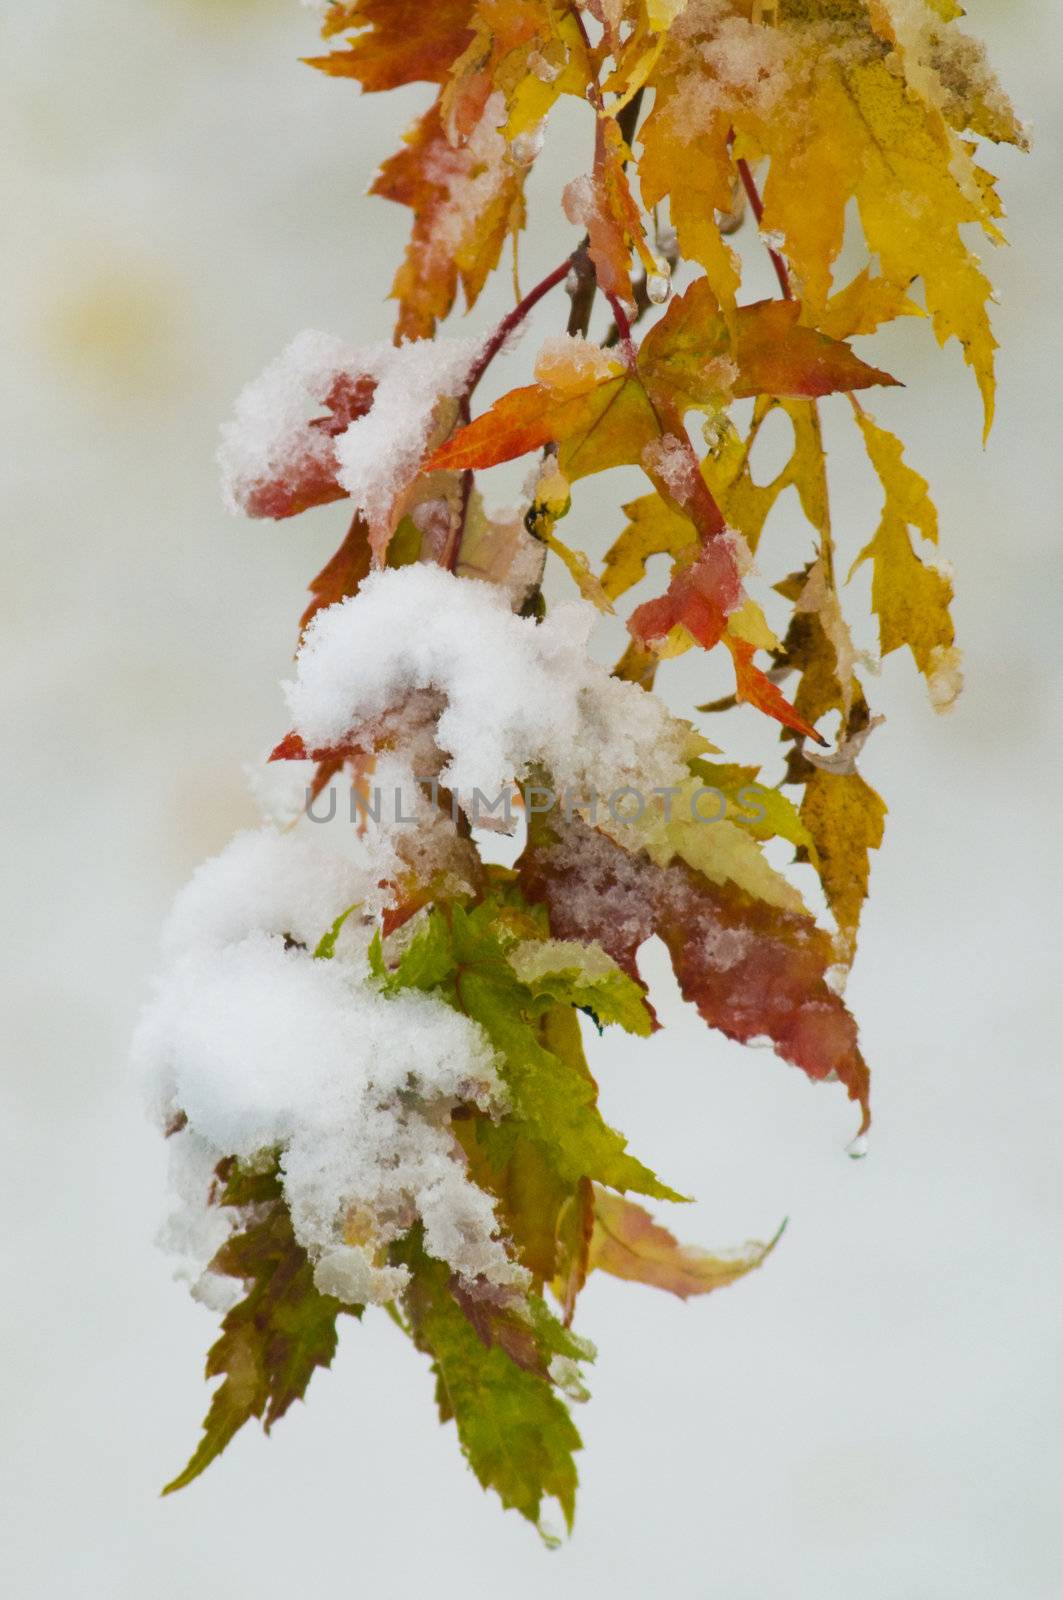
column 876, row 1413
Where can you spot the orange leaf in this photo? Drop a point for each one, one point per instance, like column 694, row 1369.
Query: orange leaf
column 755, row 688
column 603, row 204
column 404, row 41
column 627, row 1243
column 593, row 407
column 466, row 199
column 343, row 574
column 700, row 597
column 777, row 356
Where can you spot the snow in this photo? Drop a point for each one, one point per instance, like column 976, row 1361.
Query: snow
column 265, row 1049
column 517, row 694
column 751, row 60
column 471, row 177
column 196, row 1230
column 377, row 456
column 268, row 435
column 263, row 882
column 672, row 460
column 567, row 361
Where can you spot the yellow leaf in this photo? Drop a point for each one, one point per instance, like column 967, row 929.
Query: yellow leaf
column 846, row 818
column 910, row 597
column 864, row 305
column 653, row 528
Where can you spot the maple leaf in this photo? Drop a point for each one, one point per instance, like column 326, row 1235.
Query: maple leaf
column 603, row 204
column 397, row 41
column 627, row 1243
column 274, row 1340
column 309, row 476
column 752, row 968
column 862, row 307
column 838, row 119
column 909, row 596
column 552, row 1102
column 757, row 689
column 343, row 573
column 846, row 818
column 514, row 1429
column 602, row 410
column 466, row 199
column 529, row 51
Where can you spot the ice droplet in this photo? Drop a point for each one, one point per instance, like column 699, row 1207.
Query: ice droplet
column 526, row 146
column 659, row 286
column 856, row 1149
column 716, row 430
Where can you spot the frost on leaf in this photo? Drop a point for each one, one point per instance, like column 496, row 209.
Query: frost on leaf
column 752, row 969
column 275, row 1338
column 366, row 1045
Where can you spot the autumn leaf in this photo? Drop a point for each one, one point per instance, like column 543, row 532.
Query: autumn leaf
column 846, row 818
column 530, row 51
column 862, row 307
column 467, row 199
column 757, row 689
column 274, row 1340
column 514, row 1429
column 835, row 124
column 910, row 596
column 603, row 412
column 396, row 41
column 653, row 528
column 343, row 574
column 603, row 204
column 627, row 1243
column 753, row 969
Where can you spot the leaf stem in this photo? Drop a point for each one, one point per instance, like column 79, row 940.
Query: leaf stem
column 513, row 319
column 449, row 556
column 620, row 317
column 756, row 205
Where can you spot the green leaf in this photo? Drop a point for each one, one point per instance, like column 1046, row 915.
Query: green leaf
column 763, row 811
column 585, row 976
column 550, row 1102
column 326, row 946
column 514, row 1429
column 277, row 1336
column 462, row 957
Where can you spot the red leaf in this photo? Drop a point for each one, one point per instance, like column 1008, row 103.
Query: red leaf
column 755, row 688
column 753, row 970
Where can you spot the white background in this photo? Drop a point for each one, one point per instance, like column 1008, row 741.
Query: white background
column 877, row 1412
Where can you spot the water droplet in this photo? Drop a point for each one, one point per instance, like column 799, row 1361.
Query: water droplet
column 526, row 146
column 856, row 1149
column 658, row 287
column 716, row 430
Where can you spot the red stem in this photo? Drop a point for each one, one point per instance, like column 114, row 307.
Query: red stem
column 749, row 184
column 513, row 320
column 620, row 317
column 449, row 556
